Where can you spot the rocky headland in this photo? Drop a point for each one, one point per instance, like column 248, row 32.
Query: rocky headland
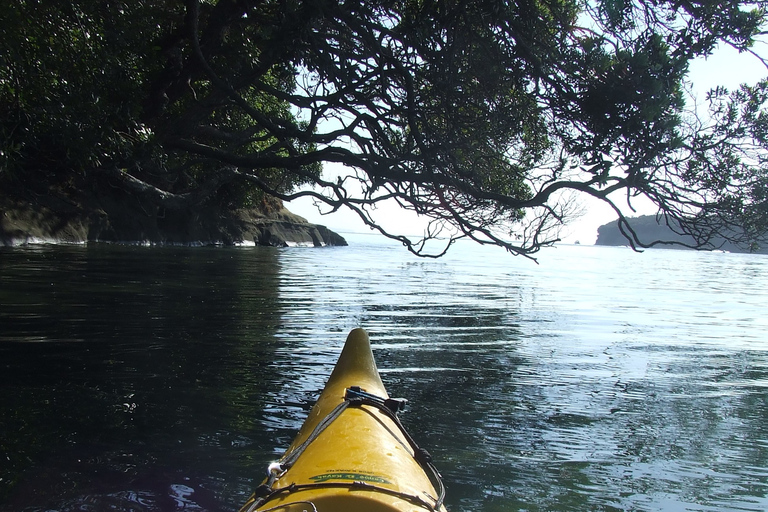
column 649, row 229
column 60, row 220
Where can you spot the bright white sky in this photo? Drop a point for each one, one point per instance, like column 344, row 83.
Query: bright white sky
column 726, row 67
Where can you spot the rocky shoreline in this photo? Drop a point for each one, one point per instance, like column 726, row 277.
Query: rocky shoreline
column 65, row 222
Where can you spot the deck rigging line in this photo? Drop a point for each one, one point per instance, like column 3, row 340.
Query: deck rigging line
column 353, row 397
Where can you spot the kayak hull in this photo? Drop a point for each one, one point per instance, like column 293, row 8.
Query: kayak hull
column 351, row 455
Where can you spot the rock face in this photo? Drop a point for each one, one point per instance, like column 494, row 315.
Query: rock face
column 62, row 221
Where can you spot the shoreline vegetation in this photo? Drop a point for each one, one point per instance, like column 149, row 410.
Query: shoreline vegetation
column 192, row 122
column 62, row 220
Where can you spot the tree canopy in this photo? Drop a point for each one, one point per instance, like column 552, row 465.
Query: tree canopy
column 488, row 117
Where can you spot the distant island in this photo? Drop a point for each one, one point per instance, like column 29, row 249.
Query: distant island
column 649, row 229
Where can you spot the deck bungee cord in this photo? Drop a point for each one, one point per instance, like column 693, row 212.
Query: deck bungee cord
column 354, row 397
column 352, row 453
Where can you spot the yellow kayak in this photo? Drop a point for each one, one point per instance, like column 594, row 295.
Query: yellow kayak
column 352, row 454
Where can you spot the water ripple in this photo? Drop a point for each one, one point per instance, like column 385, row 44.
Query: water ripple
column 167, row 379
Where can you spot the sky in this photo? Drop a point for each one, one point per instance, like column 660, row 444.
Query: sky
column 726, row 67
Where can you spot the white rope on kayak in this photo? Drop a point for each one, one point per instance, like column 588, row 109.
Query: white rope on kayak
column 354, row 397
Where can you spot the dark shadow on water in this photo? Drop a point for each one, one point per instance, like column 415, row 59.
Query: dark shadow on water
column 133, row 378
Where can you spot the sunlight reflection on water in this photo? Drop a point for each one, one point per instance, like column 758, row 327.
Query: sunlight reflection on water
column 600, row 379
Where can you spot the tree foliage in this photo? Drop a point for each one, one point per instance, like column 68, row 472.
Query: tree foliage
column 487, row 117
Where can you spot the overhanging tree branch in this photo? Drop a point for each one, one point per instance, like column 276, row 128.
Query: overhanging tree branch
column 485, row 118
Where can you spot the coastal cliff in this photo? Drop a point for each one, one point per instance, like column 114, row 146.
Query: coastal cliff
column 60, row 220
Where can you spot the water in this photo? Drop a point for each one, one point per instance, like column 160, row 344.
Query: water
column 161, row 379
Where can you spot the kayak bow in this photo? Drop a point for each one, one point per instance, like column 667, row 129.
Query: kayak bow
column 352, row 453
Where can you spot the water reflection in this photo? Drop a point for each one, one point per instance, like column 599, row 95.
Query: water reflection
column 131, row 369
column 166, row 379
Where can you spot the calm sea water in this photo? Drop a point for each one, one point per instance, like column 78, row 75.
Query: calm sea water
column 162, row 379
